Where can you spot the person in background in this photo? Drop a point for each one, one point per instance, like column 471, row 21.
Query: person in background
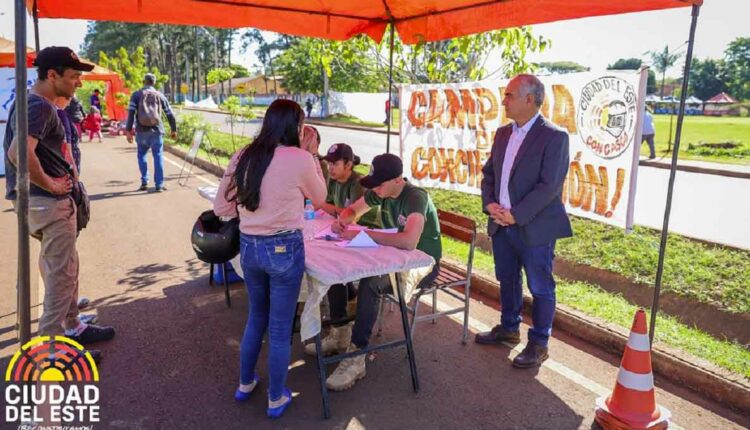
column 76, row 113
column 71, row 132
column 145, row 111
column 649, row 132
column 95, row 100
column 266, row 183
column 93, row 124
column 308, row 107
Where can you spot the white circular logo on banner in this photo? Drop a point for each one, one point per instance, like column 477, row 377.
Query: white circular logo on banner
column 607, row 116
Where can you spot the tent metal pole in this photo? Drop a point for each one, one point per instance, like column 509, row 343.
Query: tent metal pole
column 390, row 92
column 23, row 285
column 672, row 173
column 35, row 13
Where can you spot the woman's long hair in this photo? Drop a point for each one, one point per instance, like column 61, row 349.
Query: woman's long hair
column 280, row 127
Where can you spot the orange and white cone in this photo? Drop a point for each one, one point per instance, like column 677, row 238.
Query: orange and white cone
column 632, row 404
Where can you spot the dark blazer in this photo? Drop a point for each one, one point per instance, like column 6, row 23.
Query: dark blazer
column 536, row 182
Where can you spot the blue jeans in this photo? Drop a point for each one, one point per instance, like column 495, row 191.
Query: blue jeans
column 155, row 142
column 273, row 268
column 510, row 255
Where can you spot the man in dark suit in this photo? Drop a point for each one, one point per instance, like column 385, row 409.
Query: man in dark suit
column 522, row 194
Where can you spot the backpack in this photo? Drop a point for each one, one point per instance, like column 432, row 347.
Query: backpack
column 149, row 108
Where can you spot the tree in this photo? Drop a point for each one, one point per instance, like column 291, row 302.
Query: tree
column 662, row 61
column 626, row 64
column 216, row 76
column 737, row 59
column 563, row 67
column 240, row 71
column 635, row 64
column 348, row 66
column 131, row 67
column 707, row 78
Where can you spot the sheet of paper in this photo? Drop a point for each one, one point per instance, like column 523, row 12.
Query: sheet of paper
column 362, row 240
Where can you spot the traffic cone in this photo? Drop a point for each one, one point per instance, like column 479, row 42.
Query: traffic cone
column 632, row 404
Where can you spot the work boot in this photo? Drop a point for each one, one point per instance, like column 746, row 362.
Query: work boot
column 533, row 355
column 348, row 373
column 336, row 342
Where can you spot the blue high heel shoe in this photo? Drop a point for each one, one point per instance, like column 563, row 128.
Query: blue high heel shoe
column 278, row 411
column 241, row 396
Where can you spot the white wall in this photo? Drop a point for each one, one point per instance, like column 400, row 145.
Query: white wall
column 365, row 106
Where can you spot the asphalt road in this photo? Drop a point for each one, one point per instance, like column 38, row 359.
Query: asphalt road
column 707, row 207
column 174, row 361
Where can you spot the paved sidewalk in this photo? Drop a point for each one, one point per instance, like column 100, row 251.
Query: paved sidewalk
column 173, row 363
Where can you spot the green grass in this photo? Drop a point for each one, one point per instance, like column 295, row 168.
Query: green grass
column 613, row 308
column 710, row 274
column 704, row 129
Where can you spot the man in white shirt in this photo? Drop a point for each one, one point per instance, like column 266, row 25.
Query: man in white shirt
column 522, row 194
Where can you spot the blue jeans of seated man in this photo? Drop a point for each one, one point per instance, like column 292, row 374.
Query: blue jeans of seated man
column 273, row 268
column 155, row 142
column 511, row 254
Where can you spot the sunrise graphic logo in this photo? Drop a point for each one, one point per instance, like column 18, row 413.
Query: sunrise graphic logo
column 52, row 380
column 52, row 360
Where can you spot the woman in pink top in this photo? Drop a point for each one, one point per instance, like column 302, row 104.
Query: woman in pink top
column 266, row 184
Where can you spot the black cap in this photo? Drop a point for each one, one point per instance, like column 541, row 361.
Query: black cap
column 339, row 151
column 61, row 56
column 384, row 168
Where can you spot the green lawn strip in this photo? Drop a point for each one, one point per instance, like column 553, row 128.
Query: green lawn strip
column 710, row 274
column 705, row 129
column 612, row 308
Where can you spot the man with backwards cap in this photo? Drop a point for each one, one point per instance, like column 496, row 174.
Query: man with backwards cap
column 411, row 211
column 343, row 190
column 52, row 212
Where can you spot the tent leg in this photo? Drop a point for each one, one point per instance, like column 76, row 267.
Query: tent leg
column 36, row 26
column 672, row 172
column 390, row 92
column 22, row 202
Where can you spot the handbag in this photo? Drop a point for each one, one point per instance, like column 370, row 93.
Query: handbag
column 83, row 206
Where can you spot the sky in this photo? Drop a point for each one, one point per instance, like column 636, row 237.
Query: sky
column 593, row 42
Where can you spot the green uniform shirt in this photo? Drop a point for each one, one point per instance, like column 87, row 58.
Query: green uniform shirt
column 343, row 195
column 393, row 213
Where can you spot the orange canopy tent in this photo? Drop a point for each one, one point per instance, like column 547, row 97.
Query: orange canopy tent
column 114, row 85
column 8, row 54
column 341, row 19
column 415, row 21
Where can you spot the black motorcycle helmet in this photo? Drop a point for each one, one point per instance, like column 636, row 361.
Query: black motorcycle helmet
column 215, row 241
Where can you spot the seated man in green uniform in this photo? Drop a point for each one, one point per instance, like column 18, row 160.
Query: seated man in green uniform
column 343, row 190
column 406, row 208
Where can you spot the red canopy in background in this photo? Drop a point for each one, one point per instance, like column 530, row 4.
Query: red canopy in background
column 415, row 20
column 114, row 85
column 8, row 54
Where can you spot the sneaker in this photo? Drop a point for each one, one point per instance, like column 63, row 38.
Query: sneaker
column 144, row 187
column 241, row 396
column 348, row 372
column 94, row 333
column 277, row 407
column 161, row 189
column 336, row 342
